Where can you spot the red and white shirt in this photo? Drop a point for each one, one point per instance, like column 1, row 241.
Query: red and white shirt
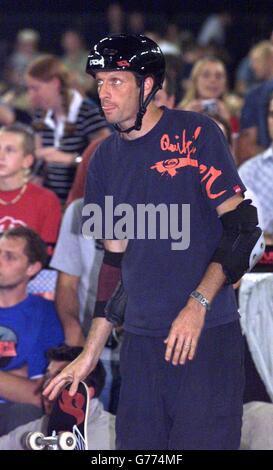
column 38, row 208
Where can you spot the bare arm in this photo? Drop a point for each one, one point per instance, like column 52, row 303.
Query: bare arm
column 117, row 246
column 88, row 359
column 67, row 305
column 7, row 116
column 22, row 372
column 53, row 155
column 20, row 389
column 185, row 331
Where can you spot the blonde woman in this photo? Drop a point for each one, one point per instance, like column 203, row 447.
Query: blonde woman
column 207, row 88
column 65, row 121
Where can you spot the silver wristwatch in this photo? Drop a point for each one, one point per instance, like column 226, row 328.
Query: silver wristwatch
column 201, row 299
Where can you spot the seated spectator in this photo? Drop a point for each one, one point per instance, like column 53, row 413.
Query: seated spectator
column 191, row 53
column 255, row 67
column 166, row 96
column 257, row 176
column 115, row 19
column 174, row 33
column 77, row 275
column 66, row 122
column 100, row 424
column 244, row 77
column 213, row 30
column 207, row 89
column 136, row 22
column 21, row 202
column 174, row 75
column 260, row 60
column 28, row 325
column 254, row 136
column 76, row 293
column 26, row 49
column 74, row 58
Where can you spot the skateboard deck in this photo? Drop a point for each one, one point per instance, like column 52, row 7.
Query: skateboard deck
column 67, row 425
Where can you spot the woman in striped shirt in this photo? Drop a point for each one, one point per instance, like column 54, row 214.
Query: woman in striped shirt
column 65, row 121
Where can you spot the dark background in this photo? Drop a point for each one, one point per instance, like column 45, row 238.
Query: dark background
column 252, row 20
column 172, row 6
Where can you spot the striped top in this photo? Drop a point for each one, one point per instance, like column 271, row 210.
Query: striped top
column 84, row 115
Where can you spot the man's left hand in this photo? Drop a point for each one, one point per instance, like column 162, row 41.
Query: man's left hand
column 181, row 343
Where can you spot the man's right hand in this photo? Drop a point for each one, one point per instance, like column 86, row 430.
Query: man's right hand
column 73, row 373
column 84, row 363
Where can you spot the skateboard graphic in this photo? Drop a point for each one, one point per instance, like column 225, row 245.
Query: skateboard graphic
column 67, row 425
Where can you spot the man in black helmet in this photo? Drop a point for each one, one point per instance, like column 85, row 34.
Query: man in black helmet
column 179, row 293
column 139, row 56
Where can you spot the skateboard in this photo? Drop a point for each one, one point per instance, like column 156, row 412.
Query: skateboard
column 67, row 425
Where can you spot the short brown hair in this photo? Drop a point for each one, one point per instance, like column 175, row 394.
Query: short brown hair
column 35, row 249
column 27, row 134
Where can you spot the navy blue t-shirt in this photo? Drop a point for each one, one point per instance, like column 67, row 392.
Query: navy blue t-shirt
column 184, row 159
column 27, row 331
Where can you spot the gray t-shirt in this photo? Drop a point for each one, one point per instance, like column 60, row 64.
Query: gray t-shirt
column 100, row 430
column 78, row 256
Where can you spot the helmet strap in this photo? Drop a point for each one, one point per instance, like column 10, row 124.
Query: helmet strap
column 142, row 109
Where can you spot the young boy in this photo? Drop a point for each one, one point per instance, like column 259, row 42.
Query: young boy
column 21, row 202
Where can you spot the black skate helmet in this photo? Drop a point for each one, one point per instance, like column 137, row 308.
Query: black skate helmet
column 132, row 53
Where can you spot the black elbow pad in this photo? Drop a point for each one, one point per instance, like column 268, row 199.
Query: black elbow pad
column 242, row 243
column 116, row 306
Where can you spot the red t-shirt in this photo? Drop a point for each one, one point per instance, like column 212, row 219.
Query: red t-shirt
column 38, row 208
